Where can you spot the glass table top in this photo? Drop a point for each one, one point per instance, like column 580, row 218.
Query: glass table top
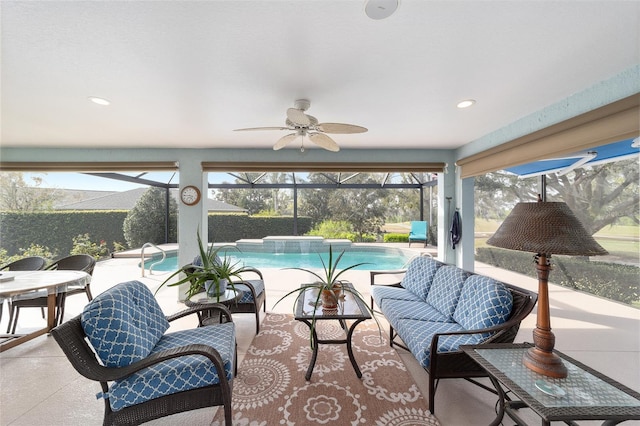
column 579, row 389
column 349, row 306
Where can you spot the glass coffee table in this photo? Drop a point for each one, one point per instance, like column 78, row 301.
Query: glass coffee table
column 349, row 308
column 229, row 297
column 585, row 394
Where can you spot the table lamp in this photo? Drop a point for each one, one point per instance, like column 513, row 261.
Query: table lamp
column 544, row 228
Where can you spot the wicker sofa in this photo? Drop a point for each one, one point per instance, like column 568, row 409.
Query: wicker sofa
column 438, row 307
column 119, row 340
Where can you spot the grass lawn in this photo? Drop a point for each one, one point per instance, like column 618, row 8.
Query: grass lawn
column 620, row 241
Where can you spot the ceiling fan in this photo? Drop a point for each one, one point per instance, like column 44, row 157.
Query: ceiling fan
column 306, row 125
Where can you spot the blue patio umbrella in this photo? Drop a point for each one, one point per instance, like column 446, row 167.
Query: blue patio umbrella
column 606, row 153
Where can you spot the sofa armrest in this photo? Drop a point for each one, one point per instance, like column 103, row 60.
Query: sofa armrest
column 374, row 274
column 511, row 323
column 197, row 309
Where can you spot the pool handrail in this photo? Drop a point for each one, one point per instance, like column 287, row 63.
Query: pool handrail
column 164, row 256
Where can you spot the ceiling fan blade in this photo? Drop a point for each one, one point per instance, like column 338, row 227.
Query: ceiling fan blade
column 298, row 117
column 324, row 141
column 261, row 128
column 340, row 128
column 284, row 141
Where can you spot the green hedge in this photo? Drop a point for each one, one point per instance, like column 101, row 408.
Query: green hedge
column 396, row 238
column 225, row 228
column 57, row 229
column 609, row 280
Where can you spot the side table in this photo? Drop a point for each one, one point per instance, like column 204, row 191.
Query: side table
column 229, row 297
column 585, row 394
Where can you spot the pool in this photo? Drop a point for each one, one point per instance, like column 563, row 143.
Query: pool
column 378, row 258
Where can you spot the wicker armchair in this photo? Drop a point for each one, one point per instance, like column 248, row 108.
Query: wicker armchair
column 31, row 263
column 131, row 392
column 38, row 299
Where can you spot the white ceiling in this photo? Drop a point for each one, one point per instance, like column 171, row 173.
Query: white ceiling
column 186, row 73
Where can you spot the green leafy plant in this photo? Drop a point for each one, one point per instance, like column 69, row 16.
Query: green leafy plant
column 82, row 244
column 394, row 237
column 211, row 272
column 329, row 284
column 32, row 250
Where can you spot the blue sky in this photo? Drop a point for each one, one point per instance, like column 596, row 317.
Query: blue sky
column 78, row 181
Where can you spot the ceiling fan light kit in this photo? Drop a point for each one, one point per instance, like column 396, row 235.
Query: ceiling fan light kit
column 380, row 9
column 303, row 125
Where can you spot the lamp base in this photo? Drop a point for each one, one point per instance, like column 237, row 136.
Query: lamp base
column 545, row 363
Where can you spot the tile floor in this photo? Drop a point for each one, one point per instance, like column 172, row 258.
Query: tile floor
column 38, row 386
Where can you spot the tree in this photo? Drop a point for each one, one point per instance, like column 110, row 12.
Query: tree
column 250, row 199
column 363, row 208
column 17, row 195
column 599, row 195
column 146, row 222
column 497, row 193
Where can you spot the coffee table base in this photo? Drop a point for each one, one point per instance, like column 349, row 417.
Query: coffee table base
column 315, row 342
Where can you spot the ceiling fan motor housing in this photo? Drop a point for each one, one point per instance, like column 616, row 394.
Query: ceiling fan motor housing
column 302, row 104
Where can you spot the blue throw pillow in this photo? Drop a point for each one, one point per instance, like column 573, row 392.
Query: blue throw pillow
column 484, row 302
column 445, row 289
column 420, row 274
column 124, row 324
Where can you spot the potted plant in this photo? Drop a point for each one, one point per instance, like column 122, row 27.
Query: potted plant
column 332, row 288
column 329, row 287
column 209, row 272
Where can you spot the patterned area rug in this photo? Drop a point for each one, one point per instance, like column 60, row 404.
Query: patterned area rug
column 270, row 388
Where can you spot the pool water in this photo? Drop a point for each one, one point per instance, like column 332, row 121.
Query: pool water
column 376, row 260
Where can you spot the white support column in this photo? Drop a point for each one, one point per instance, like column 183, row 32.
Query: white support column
column 465, row 250
column 446, row 189
column 461, row 194
column 191, row 219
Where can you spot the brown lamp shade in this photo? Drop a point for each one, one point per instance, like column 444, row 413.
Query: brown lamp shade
column 545, row 228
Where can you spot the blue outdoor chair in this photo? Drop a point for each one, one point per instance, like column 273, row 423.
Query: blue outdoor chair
column 418, row 232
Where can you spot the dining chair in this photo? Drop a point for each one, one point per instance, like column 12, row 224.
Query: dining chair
column 30, row 263
column 38, row 299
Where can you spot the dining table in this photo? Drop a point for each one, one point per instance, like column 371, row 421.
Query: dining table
column 13, row 283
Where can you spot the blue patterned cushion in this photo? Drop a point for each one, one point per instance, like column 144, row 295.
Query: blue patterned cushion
column 381, row 293
column 417, row 336
column 247, row 297
column 419, row 275
column 484, row 302
column 445, row 289
column 395, row 310
column 124, row 323
column 178, row 374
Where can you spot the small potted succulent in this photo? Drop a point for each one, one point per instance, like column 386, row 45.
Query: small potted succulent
column 329, row 287
column 209, row 272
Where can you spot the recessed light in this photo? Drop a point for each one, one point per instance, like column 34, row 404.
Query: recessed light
column 99, row 101
column 466, row 103
column 380, row 9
